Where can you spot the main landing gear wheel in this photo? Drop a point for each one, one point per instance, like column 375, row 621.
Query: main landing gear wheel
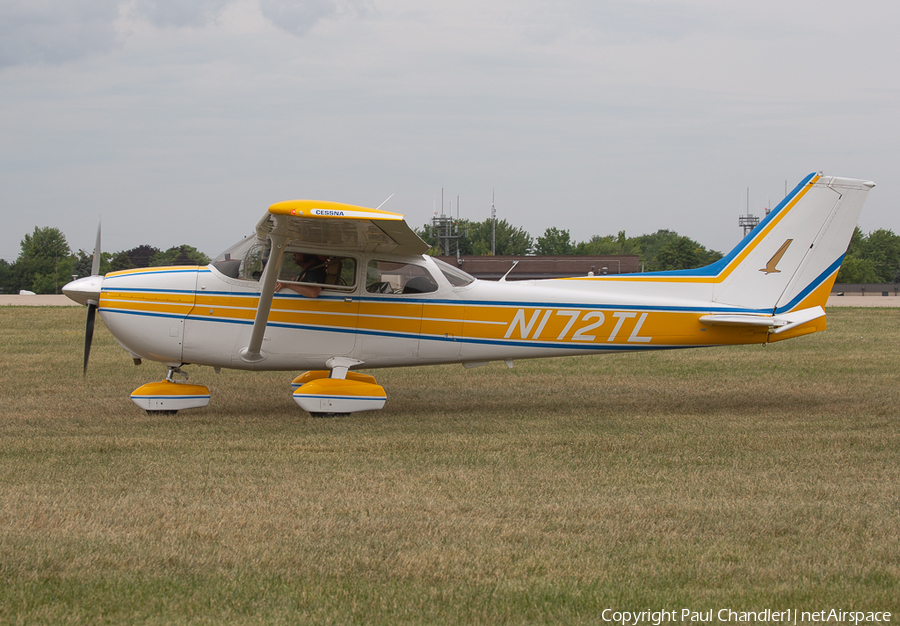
column 324, row 393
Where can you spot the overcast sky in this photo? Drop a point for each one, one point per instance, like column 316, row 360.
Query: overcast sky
column 180, row 122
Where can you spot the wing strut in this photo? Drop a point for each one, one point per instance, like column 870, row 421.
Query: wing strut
column 253, row 353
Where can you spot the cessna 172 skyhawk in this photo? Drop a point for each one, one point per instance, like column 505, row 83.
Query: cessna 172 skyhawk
column 378, row 301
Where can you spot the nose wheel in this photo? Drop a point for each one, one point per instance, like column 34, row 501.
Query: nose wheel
column 171, row 395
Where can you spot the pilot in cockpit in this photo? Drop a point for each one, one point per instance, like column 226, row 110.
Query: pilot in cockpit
column 312, row 270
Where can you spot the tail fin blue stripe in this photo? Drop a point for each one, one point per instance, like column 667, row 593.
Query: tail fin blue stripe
column 821, row 278
column 716, row 268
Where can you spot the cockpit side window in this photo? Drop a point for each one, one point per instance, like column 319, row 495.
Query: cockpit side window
column 330, row 271
column 391, row 277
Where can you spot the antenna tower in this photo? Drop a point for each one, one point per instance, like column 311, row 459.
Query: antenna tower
column 445, row 229
column 748, row 222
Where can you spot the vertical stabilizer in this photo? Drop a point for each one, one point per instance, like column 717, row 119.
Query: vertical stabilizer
column 791, row 259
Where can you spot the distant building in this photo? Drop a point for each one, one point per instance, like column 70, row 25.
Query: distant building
column 531, row 267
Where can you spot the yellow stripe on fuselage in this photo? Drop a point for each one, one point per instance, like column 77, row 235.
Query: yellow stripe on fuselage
column 596, row 327
column 167, row 303
column 544, row 325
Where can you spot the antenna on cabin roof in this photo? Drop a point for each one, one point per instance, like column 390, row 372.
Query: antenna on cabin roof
column 457, row 231
column 385, row 201
column 493, row 225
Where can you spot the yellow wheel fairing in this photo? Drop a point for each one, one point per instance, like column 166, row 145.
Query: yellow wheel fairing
column 170, row 396
column 331, row 395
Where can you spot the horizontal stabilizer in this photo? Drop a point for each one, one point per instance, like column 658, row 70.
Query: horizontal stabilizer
column 776, row 323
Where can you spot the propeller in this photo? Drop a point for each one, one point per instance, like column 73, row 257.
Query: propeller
column 87, row 291
column 92, row 306
column 88, row 334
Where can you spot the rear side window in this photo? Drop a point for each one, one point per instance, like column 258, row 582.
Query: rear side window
column 398, row 278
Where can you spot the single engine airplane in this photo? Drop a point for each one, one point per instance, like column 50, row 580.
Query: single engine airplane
column 377, row 300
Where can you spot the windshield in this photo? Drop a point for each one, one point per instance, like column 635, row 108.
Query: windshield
column 244, row 260
column 456, row 276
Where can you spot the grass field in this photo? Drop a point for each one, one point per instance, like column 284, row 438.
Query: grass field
column 743, row 478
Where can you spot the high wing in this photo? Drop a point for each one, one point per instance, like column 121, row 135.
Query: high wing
column 340, row 227
column 330, row 226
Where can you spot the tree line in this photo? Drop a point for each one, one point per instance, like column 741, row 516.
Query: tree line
column 662, row 250
column 870, row 258
column 46, row 262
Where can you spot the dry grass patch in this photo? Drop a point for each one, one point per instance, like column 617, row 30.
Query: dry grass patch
column 740, row 477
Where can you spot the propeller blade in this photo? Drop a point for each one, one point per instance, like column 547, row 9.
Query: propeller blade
column 88, row 334
column 95, row 264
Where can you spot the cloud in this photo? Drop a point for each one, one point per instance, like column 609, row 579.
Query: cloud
column 61, row 31
column 631, row 21
column 177, row 13
column 298, row 17
column 55, row 31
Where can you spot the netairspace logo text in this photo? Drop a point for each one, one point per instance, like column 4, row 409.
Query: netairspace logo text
column 787, row 616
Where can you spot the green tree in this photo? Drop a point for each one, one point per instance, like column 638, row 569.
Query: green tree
column 43, row 265
column 884, row 253
column 598, row 245
column 120, row 261
column 142, row 255
column 82, row 262
column 872, row 258
column 554, row 242
column 678, row 254
column 857, row 245
column 856, row 270
column 667, row 250
column 179, row 255
column 475, row 239
column 509, row 240
column 6, row 277
column 609, row 245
